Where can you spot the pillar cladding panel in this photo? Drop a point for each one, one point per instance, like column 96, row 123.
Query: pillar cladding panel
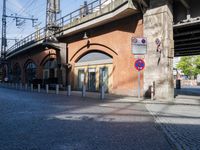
column 159, row 66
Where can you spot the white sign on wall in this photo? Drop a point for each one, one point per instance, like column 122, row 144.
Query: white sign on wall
column 139, row 46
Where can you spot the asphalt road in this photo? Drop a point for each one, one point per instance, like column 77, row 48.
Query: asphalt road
column 32, row 121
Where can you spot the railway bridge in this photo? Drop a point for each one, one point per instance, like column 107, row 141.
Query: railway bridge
column 92, row 46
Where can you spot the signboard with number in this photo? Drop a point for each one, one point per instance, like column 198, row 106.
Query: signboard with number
column 139, row 46
column 139, row 64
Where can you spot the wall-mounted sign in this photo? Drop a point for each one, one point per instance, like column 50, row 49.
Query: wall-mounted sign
column 139, row 46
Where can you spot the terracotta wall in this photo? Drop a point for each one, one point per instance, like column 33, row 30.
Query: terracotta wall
column 114, row 39
column 38, row 56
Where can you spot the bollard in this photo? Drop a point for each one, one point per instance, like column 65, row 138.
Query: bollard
column 47, row 88
column 26, row 86
column 69, row 90
column 57, row 89
column 21, row 86
column 38, row 88
column 84, row 91
column 153, row 91
column 16, row 85
column 31, row 87
column 13, row 85
column 102, row 92
column 152, row 97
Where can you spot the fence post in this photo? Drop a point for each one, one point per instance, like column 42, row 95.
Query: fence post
column 69, row 90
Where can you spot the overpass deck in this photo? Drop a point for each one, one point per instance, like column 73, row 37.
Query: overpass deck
column 98, row 14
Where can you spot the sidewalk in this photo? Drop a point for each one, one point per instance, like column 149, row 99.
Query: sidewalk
column 180, row 120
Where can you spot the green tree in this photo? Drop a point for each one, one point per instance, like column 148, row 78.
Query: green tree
column 190, row 65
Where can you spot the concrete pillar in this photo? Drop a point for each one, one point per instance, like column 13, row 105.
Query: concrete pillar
column 158, row 28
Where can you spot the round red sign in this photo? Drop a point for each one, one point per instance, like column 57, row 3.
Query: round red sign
column 139, row 64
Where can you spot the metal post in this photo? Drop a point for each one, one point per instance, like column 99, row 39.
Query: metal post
column 57, row 89
column 38, row 88
column 47, row 88
column 31, row 87
column 102, row 92
column 84, row 91
column 100, row 5
column 138, row 84
column 69, row 90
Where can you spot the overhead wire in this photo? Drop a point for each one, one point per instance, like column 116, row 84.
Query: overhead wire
column 25, row 7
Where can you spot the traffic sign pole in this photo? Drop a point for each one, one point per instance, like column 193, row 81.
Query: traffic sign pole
column 138, row 84
column 139, row 65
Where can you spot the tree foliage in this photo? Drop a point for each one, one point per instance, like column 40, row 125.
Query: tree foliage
column 190, row 65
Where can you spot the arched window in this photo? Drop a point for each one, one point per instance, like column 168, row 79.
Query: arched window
column 30, row 72
column 50, row 69
column 94, row 56
column 92, row 68
column 50, row 64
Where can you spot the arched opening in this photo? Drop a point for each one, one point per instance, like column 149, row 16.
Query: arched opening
column 50, row 71
column 93, row 70
column 30, row 72
column 17, row 73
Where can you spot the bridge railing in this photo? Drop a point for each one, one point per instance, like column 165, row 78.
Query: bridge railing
column 68, row 19
column 90, row 8
column 30, row 39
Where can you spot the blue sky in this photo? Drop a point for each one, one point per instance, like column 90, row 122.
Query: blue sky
column 29, row 8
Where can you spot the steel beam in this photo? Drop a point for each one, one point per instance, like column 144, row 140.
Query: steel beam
column 186, row 33
column 187, row 44
column 188, row 39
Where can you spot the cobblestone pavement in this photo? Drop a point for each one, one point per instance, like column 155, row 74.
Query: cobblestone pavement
column 37, row 121
column 180, row 120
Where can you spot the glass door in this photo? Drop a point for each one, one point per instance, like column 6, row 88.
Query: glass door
column 92, row 79
column 103, row 78
column 81, row 78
